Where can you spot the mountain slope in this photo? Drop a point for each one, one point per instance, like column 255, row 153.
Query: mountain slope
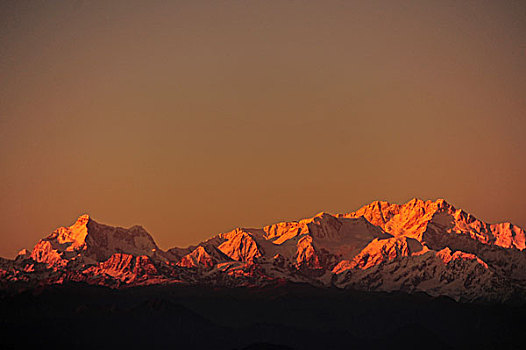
column 419, row 246
column 416, row 217
column 90, row 242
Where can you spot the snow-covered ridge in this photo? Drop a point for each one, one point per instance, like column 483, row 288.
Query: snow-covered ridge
column 421, row 245
column 413, row 218
column 90, row 241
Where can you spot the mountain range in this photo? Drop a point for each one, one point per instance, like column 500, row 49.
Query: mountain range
column 419, row 246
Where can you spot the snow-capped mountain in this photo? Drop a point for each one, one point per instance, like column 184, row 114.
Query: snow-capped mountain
column 90, row 242
column 419, row 246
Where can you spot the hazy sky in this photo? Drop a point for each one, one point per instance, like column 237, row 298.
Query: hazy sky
column 194, row 117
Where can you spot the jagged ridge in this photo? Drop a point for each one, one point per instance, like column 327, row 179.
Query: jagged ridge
column 425, row 246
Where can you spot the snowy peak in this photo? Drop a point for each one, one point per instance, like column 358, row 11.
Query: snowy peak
column 417, row 217
column 450, row 223
column 240, row 245
column 103, row 241
column 63, row 243
column 381, row 250
column 73, row 236
column 202, row 256
column 324, row 227
column 313, row 243
column 428, row 246
column 90, row 241
column 82, row 220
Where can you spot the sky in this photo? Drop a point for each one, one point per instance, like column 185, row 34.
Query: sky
column 192, row 118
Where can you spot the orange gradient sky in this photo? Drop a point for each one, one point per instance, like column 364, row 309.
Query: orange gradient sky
column 193, row 117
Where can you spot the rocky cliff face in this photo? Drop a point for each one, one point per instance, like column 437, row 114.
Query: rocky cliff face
column 419, row 246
